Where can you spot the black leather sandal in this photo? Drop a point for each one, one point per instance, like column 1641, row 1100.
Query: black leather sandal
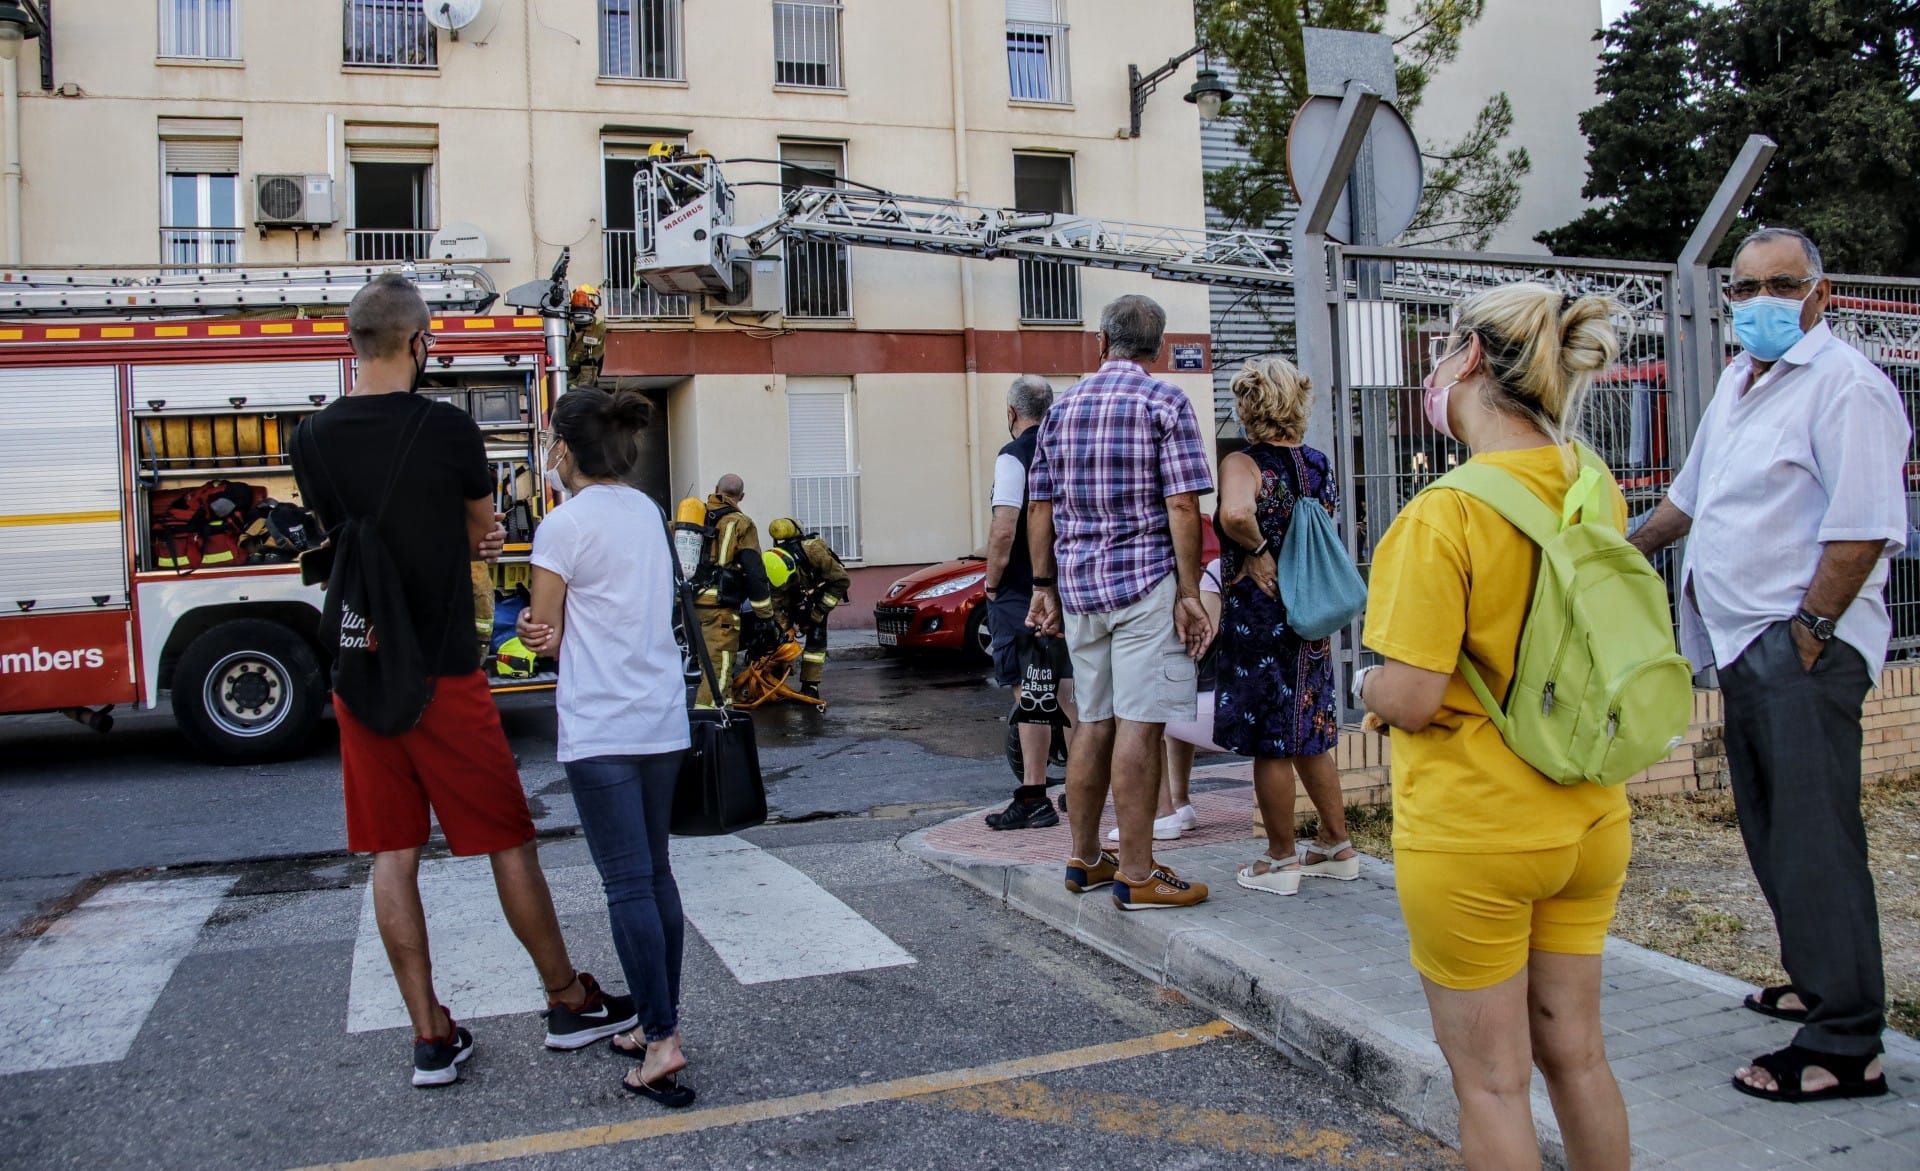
column 1788, row 1066
column 1766, row 1002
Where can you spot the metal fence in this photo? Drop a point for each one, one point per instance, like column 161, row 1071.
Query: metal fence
column 830, row 506
column 375, row 244
column 640, row 39
column 621, row 296
column 1049, row 293
column 189, row 248
column 1880, row 317
column 806, row 44
column 1393, row 306
column 389, row 34
column 1037, row 62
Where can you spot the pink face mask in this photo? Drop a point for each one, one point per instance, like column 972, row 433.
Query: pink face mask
column 1435, row 399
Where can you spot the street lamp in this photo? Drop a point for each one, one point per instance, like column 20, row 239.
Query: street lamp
column 1208, row 92
column 19, row 21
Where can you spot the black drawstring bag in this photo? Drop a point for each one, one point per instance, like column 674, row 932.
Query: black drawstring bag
column 365, row 626
column 720, row 788
column 1037, row 695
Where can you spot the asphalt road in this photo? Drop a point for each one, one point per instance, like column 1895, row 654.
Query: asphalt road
column 244, row 1028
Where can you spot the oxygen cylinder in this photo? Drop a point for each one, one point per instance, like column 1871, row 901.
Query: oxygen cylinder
column 690, row 535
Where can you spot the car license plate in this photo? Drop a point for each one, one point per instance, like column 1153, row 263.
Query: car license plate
column 889, row 638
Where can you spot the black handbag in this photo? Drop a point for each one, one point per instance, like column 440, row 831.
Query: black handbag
column 720, row 788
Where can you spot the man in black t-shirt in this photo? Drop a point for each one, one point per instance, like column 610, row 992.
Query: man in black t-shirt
column 423, row 478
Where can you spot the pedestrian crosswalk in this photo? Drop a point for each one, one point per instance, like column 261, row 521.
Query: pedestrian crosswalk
column 80, row 992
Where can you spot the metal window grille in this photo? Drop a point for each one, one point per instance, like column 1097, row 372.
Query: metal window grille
column 1037, row 62
column 1049, row 293
column 830, row 506
column 376, row 244
column 194, row 248
column 623, row 297
column 1880, row 317
column 641, row 39
column 819, row 280
column 199, row 28
column 806, row 44
column 389, row 34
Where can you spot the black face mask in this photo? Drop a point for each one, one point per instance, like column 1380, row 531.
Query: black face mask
column 420, row 367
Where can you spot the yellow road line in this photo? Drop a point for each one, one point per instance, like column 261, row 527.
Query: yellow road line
column 692, row 1121
column 21, row 520
column 1158, row 1120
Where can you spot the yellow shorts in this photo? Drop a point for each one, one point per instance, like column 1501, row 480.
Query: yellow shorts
column 1472, row 918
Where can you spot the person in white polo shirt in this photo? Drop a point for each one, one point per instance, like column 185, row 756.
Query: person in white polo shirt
column 1793, row 503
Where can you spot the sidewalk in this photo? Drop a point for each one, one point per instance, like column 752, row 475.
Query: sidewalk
column 1324, row 976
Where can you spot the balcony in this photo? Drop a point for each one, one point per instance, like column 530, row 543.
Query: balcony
column 1049, row 293
column 1037, row 62
column 623, row 297
column 194, row 248
column 389, row 34
column 379, row 245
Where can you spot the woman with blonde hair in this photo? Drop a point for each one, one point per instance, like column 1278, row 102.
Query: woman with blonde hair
column 1508, row 881
column 1274, row 700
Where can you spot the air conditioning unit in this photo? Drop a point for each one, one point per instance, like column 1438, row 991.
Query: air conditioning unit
column 293, row 201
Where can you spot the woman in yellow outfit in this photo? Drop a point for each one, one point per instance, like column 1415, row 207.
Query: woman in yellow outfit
column 1508, row 881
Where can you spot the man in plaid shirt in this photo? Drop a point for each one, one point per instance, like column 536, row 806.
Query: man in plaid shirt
column 1114, row 508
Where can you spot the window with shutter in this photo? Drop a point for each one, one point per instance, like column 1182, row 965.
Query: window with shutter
column 200, row 201
column 1049, row 290
column 621, row 295
column 1036, row 52
column 806, row 44
column 819, row 272
column 203, row 29
column 640, row 39
column 392, row 212
column 823, row 462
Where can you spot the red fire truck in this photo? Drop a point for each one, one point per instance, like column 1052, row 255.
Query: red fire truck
column 104, row 422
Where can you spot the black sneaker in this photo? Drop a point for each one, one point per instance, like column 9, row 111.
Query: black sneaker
column 603, row 1015
column 437, row 1063
column 810, row 690
column 1024, row 814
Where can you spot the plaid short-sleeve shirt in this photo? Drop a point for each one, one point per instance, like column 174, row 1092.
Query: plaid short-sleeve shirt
column 1110, row 453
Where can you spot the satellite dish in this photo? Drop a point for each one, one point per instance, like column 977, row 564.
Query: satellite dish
column 458, row 241
column 1395, row 171
column 452, row 15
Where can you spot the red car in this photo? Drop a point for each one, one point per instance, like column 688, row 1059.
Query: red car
column 944, row 606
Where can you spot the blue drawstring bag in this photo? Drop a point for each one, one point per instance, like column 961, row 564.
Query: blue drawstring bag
column 1319, row 586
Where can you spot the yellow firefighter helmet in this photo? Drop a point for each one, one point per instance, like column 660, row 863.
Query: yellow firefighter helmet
column 780, row 567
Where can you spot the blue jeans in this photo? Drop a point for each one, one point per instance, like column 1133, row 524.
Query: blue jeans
column 625, row 804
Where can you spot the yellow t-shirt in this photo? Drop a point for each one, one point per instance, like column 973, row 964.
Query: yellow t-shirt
column 1450, row 571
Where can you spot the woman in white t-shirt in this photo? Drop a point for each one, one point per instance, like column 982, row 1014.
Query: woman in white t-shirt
column 603, row 600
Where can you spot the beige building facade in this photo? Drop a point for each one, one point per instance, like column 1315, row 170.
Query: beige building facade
column 871, row 408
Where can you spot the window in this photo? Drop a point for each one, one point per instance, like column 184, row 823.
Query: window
column 640, row 39
column 208, row 29
column 1037, row 52
column 1049, row 290
column 819, row 277
column 806, row 44
column 390, row 34
column 200, row 199
column 621, row 294
column 393, row 215
column 823, row 461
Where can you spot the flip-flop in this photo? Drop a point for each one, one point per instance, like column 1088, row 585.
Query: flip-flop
column 668, row 1092
column 1766, row 1002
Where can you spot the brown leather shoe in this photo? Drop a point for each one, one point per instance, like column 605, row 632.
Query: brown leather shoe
column 1082, row 878
column 1159, row 890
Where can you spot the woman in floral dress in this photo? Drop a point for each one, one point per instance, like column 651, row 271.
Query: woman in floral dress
column 1276, row 701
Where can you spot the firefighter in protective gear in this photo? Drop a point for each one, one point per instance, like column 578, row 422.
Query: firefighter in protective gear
column 819, row 583
column 730, row 572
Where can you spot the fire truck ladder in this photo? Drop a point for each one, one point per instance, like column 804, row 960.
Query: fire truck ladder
column 28, row 291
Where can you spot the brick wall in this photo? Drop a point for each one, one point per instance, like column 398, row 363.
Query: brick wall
column 1891, row 747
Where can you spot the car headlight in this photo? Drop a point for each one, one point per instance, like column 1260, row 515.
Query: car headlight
column 965, row 581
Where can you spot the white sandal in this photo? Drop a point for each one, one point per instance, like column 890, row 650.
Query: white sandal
column 1345, row 870
column 1281, row 878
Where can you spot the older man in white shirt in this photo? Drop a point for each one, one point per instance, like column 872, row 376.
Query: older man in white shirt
column 1793, row 497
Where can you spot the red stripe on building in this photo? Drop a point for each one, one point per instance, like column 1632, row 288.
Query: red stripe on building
column 685, row 353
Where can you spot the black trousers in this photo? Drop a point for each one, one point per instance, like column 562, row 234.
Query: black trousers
column 1793, row 747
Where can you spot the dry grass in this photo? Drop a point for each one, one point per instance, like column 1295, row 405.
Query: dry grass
column 1691, row 895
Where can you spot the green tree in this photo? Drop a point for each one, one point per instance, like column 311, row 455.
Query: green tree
column 1472, row 185
column 1832, row 81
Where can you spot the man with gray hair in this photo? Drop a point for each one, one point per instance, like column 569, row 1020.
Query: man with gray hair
column 1009, row 585
column 1118, row 472
column 1793, row 498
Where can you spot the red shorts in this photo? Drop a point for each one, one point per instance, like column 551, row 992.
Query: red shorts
column 455, row 760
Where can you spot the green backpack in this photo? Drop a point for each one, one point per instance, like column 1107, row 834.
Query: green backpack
column 1598, row 693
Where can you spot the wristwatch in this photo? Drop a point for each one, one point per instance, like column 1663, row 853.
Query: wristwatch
column 1820, row 628
column 1265, row 547
column 1043, row 583
column 1360, row 685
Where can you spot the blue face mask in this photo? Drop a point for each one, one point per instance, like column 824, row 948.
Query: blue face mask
column 1768, row 326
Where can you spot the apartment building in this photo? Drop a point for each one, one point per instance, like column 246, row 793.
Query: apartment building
column 871, row 408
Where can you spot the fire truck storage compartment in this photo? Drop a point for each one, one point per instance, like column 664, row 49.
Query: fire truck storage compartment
column 62, row 541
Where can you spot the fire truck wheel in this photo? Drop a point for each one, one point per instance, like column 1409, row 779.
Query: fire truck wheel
column 248, row 690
